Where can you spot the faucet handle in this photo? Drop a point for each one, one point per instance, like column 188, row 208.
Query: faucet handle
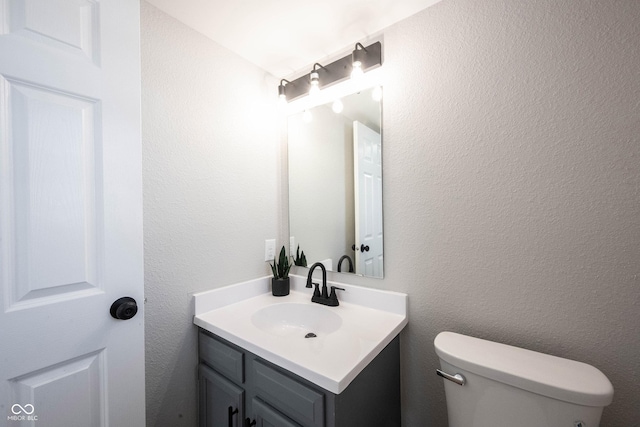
column 316, row 292
column 333, row 298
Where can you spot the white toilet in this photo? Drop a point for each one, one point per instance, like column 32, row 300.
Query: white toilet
column 488, row 384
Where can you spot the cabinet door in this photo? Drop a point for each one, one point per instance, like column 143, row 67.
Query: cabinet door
column 221, row 401
column 266, row 416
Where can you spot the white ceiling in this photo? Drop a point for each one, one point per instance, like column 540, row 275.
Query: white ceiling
column 282, row 36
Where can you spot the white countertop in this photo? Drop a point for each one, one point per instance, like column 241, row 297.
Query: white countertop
column 371, row 319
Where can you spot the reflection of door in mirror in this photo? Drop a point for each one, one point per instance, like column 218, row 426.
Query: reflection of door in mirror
column 368, row 207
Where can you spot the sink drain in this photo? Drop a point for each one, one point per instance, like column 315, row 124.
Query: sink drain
column 310, row 335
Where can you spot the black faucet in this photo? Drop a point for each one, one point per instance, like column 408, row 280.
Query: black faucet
column 323, row 298
column 342, row 258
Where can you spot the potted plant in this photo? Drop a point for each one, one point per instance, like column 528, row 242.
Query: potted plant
column 300, row 260
column 280, row 280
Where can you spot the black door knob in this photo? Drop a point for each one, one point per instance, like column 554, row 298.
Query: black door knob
column 124, row 308
column 364, row 248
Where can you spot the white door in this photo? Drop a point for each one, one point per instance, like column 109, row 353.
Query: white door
column 368, row 194
column 70, row 213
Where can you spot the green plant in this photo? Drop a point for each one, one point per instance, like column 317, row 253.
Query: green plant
column 281, row 268
column 300, row 260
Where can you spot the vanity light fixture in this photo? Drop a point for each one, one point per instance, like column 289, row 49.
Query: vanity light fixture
column 321, row 76
column 357, row 59
column 282, row 95
column 314, row 80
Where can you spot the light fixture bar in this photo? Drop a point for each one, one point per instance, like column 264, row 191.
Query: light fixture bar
column 334, row 72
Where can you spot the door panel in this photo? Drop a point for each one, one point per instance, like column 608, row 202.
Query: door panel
column 69, row 26
column 54, row 188
column 78, row 385
column 368, row 206
column 70, row 212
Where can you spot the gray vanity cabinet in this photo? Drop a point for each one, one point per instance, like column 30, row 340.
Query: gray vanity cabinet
column 220, row 400
column 239, row 389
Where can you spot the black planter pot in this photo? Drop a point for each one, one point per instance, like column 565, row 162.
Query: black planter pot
column 280, row 287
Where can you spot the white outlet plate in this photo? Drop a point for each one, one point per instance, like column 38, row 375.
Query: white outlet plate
column 269, row 249
column 292, row 246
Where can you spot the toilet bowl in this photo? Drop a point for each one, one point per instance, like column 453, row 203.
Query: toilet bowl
column 488, row 384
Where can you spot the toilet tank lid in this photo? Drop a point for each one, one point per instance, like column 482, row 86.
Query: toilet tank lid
column 550, row 376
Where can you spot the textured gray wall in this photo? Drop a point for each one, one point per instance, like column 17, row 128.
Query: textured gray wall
column 211, row 194
column 512, row 181
column 512, row 186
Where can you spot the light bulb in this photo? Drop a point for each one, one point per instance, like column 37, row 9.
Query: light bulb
column 357, row 72
column 358, row 56
column 337, row 106
column 314, row 81
column 282, row 93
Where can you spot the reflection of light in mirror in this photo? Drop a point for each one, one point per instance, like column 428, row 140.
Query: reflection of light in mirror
column 376, row 95
column 337, row 106
column 307, row 116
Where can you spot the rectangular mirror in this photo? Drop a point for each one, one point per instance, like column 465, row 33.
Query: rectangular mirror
column 335, row 183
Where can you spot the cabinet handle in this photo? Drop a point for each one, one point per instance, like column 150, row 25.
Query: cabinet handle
column 231, row 413
column 249, row 423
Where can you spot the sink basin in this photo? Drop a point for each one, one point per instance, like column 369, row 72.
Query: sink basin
column 288, row 319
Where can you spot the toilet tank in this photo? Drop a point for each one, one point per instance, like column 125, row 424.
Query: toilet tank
column 511, row 386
